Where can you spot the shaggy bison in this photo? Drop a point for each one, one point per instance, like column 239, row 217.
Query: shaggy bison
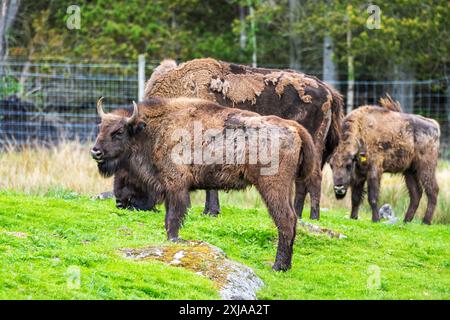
column 379, row 139
column 131, row 193
column 287, row 94
column 178, row 145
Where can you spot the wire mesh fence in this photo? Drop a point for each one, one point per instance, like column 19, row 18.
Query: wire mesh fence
column 49, row 101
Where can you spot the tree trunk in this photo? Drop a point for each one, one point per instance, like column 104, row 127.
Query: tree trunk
column 329, row 66
column 351, row 69
column 403, row 87
column 294, row 41
column 8, row 13
column 253, row 34
column 242, row 31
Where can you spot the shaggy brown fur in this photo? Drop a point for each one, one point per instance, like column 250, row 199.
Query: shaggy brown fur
column 287, row 94
column 379, row 139
column 145, row 143
column 131, row 193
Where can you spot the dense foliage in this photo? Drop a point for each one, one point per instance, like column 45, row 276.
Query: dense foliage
column 413, row 38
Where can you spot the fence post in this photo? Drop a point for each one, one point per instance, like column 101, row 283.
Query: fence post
column 141, row 76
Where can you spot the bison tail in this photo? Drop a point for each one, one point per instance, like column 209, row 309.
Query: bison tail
column 307, row 155
column 335, row 131
column 390, row 104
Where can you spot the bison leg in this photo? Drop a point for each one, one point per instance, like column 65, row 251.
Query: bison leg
column 314, row 187
column 281, row 210
column 176, row 206
column 212, row 205
column 373, row 183
column 300, row 195
column 428, row 179
column 286, row 235
column 357, row 196
column 415, row 193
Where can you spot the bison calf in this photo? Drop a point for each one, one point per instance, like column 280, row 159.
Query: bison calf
column 132, row 194
column 379, row 139
column 178, row 145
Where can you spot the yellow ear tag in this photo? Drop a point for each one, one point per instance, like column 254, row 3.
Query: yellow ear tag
column 362, row 158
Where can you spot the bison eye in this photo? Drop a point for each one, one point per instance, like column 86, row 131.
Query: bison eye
column 117, row 133
column 348, row 167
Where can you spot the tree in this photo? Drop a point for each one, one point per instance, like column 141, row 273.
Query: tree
column 294, row 40
column 8, row 13
column 413, row 39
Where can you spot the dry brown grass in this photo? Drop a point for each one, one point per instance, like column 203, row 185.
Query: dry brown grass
column 37, row 169
column 68, row 166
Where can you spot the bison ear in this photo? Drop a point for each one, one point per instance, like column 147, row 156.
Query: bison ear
column 138, row 127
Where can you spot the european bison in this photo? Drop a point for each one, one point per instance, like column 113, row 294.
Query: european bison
column 131, row 193
column 379, row 139
column 287, row 94
column 178, row 145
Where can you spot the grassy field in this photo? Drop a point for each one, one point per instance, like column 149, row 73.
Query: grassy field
column 57, row 243
column 45, row 239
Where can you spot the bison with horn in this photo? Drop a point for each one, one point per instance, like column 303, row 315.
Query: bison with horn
column 284, row 93
column 157, row 143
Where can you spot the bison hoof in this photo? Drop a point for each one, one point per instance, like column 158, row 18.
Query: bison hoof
column 278, row 266
column 177, row 240
column 120, row 205
column 212, row 213
column 426, row 222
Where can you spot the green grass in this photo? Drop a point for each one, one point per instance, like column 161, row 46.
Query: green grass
column 66, row 231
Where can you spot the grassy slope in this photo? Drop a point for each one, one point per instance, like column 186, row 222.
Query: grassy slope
column 66, row 230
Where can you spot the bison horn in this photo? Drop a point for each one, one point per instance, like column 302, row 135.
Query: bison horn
column 100, row 111
column 134, row 116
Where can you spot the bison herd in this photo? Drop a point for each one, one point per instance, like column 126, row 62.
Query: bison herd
column 207, row 124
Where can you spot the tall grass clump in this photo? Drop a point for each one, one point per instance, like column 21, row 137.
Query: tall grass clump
column 38, row 169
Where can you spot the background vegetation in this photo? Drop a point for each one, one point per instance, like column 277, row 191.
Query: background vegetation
column 413, row 38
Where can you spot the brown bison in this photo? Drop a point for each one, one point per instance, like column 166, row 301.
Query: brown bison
column 379, row 139
column 159, row 142
column 287, row 94
column 132, row 194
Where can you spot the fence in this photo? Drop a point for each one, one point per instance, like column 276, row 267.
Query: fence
column 47, row 101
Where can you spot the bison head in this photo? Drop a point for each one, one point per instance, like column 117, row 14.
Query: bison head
column 115, row 138
column 343, row 163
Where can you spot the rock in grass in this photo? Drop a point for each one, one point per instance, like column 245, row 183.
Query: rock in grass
column 234, row 280
column 15, row 234
column 103, row 195
column 312, row 228
column 386, row 212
